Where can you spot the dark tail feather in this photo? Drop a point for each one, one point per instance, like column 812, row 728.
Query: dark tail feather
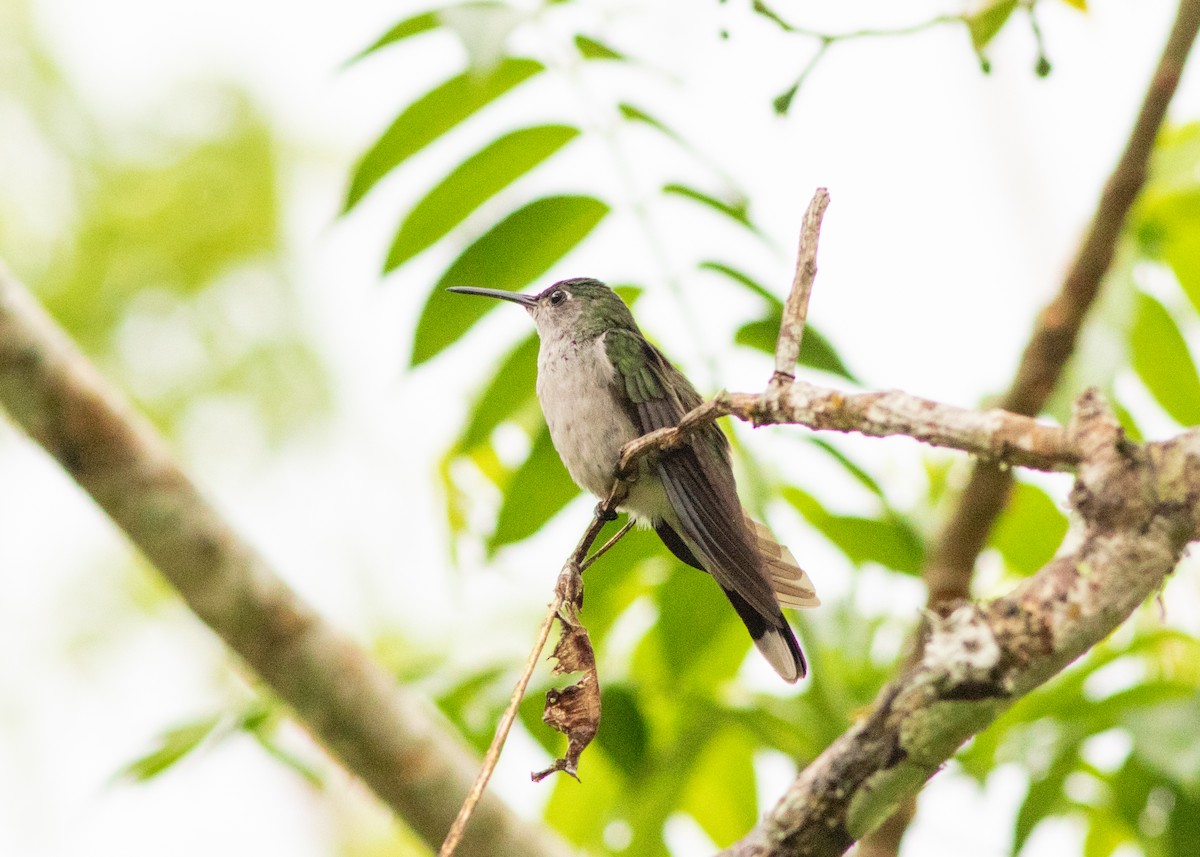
column 774, row 638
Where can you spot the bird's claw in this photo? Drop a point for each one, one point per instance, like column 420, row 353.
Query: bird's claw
column 604, row 513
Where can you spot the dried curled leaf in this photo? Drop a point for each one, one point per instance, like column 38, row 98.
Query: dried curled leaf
column 574, row 710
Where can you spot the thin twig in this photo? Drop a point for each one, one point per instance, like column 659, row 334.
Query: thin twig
column 787, row 348
column 573, row 567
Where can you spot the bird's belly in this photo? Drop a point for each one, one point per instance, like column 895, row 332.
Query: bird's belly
column 588, row 425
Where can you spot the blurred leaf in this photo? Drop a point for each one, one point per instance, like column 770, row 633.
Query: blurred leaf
column 892, row 542
column 1030, row 530
column 510, row 389
column 513, row 253
column 471, row 183
column 722, row 793
column 591, row 49
column 1081, row 5
column 816, row 352
column 1164, row 738
column 698, row 631
column 539, row 489
column 432, row 115
column 1161, row 359
column 173, row 745
column 736, row 210
column 985, row 23
column 863, row 478
column 1044, row 798
column 413, row 26
column 632, row 113
column 623, row 733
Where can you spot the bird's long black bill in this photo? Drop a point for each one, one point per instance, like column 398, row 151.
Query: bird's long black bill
column 516, row 297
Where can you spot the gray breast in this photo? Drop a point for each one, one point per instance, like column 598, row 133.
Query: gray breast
column 587, row 424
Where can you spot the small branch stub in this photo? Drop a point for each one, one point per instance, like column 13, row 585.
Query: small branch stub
column 795, row 311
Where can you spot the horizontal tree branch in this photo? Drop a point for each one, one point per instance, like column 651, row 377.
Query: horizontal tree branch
column 994, row 435
column 1139, row 506
column 393, row 740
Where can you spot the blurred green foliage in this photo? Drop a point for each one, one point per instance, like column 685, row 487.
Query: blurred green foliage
column 167, row 271
column 681, row 733
column 160, row 246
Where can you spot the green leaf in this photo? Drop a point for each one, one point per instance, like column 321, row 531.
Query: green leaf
column 472, row 183
column 1044, row 798
column 510, row 390
column 721, row 793
column 173, row 745
column 625, row 735
column 698, row 631
column 890, row 541
column 985, row 23
column 1030, row 530
column 513, row 253
column 816, row 352
column 861, row 476
column 736, row 210
column 632, row 113
column 432, row 115
column 413, row 26
column 1161, row 359
column 539, row 489
column 590, row 49
column 743, row 279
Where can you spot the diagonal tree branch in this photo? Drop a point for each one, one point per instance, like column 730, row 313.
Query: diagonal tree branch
column 1140, row 505
column 391, row 739
column 948, row 572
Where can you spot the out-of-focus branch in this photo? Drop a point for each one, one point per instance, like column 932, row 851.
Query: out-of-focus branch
column 390, row 739
column 948, row 572
column 1139, row 507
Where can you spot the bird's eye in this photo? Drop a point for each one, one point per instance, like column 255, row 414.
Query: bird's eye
column 557, row 297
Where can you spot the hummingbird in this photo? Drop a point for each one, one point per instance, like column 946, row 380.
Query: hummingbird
column 601, row 384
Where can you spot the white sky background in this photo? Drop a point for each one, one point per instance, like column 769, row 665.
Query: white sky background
column 957, row 203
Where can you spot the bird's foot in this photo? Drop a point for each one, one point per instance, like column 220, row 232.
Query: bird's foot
column 604, row 513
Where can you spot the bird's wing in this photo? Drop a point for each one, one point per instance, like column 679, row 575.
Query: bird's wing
column 697, row 476
column 791, row 583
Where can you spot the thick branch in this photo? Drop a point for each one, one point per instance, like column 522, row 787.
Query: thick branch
column 952, row 559
column 1139, row 505
column 392, row 740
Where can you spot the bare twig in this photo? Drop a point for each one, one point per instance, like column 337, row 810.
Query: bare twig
column 388, row 737
column 795, row 311
column 568, row 590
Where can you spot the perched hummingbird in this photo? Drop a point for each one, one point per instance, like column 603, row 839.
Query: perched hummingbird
column 601, row 384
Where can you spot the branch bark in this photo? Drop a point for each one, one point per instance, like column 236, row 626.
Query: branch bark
column 1139, row 505
column 391, row 739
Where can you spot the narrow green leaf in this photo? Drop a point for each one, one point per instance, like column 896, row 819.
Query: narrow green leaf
column 432, row 115
column 985, row 23
column 590, row 49
column 538, row 490
column 1161, row 359
column 743, row 279
column 816, row 352
column 511, row 388
column 473, row 182
column 421, row 23
column 688, row 601
column 735, row 210
column 1030, row 530
column 865, row 479
column 515, row 252
column 173, row 745
column 1044, row 798
column 632, row 113
column 890, row 541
